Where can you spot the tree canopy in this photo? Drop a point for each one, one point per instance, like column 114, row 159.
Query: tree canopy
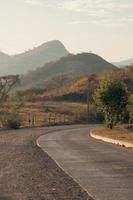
column 112, row 98
column 6, row 85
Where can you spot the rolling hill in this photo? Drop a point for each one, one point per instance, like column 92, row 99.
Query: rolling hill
column 30, row 60
column 65, row 69
column 77, row 90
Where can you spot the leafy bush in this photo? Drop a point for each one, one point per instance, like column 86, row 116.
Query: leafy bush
column 130, row 108
column 13, row 123
column 111, row 98
column 10, row 117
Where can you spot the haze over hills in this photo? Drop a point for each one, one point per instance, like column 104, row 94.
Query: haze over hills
column 50, row 64
column 69, row 68
column 124, row 63
column 30, row 60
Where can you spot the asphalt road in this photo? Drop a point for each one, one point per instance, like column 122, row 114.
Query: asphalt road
column 28, row 173
column 104, row 170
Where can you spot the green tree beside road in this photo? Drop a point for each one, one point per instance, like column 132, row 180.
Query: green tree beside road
column 130, row 108
column 111, row 98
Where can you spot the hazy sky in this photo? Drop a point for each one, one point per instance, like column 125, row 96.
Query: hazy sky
column 104, row 27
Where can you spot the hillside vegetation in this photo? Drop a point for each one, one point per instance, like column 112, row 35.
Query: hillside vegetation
column 66, row 104
column 77, row 90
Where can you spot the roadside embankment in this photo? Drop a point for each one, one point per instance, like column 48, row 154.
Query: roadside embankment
column 119, row 135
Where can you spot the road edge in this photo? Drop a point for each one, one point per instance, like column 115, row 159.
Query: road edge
column 89, row 195
column 112, row 141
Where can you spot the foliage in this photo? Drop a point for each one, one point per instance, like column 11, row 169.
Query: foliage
column 6, row 85
column 31, row 91
column 10, row 119
column 130, row 108
column 32, row 95
column 112, row 98
column 13, row 119
column 13, row 122
column 6, row 115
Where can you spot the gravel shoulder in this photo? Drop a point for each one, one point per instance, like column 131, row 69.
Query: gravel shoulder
column 28, row 173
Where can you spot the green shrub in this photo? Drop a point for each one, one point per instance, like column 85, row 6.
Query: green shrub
column 13, row 123
column 130, row 108
column 13, row 120
column 111, row 98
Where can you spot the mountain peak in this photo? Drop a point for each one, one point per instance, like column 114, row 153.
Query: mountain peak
column 57, row 44
column 30, row 60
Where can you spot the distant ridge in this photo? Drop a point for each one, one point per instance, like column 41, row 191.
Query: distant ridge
column 69, row 67
column 30, row 60
column 124, row 63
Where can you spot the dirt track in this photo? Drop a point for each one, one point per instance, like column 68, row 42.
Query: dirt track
column 27, row 173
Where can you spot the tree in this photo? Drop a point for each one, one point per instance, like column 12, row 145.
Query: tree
column 60, row 80
column 92, row 84
column 130, row 108
column 6, row 85
column 112, row 98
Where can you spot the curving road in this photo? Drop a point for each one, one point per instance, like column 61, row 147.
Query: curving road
column 27, row 173
column 104, row 170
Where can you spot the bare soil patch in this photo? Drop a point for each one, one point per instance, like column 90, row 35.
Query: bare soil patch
column 123, row 133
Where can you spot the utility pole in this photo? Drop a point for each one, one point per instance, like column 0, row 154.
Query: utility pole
column 90, row 79
column 88, row 100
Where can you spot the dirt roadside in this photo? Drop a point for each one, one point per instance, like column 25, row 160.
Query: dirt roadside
column 27, row 173
column 118, row 133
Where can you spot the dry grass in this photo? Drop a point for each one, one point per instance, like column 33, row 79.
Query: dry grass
column 80, row 85
column 118, row 133
column 45, row 113
column 52, row 113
